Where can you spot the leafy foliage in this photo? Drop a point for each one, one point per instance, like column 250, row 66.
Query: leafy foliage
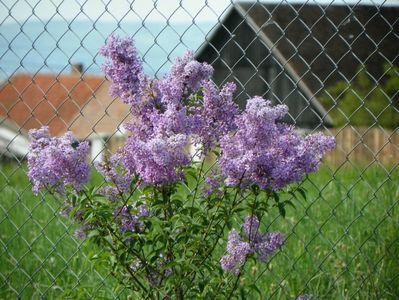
column 176, row 254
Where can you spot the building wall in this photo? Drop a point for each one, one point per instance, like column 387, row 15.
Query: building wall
column 100, row 122
column 101, row 116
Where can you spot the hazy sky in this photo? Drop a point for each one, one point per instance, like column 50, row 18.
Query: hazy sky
column 109, row 10
column 138, row 10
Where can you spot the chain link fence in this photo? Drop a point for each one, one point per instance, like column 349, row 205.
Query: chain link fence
column 335, row 64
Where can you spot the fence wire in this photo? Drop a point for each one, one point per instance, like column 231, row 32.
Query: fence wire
column 335, row 64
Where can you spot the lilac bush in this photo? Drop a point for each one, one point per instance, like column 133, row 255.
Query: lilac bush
column 161, row 215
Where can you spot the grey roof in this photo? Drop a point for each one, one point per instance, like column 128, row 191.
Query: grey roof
column 321, row 44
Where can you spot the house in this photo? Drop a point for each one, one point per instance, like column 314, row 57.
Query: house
column 290, row 53
column 76, row 102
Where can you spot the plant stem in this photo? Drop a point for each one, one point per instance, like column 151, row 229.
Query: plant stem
column 170, row 255
column 217, row 238
column 235, row 285
column 129, row 249
column 197, row 184
column 129, row 270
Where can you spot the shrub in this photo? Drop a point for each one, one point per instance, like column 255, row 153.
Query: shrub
column 162, row 216
column 364, row 101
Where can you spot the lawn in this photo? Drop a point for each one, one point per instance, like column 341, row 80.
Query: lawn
column 342, row 242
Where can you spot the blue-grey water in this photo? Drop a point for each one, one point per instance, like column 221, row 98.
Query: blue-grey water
column 51, row 46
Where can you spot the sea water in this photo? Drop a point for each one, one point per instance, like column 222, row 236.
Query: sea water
column 52, row 46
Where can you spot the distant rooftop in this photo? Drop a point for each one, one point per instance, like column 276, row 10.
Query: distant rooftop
column 32, row 101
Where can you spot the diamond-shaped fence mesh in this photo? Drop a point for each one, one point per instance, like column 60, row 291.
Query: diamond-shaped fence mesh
column 334, row 64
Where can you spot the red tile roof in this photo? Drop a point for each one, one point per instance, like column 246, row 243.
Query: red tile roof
column 32, row 101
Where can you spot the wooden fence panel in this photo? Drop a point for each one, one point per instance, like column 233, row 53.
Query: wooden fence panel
column 364, row 146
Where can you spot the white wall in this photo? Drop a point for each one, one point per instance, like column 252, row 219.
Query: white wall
column 97, row 148
column 13, row 143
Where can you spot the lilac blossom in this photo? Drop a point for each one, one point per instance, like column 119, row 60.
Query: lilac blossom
column 251, row 228
column 216, row 115
column 110, row 192
column 267, row 244
column 237, row 251
column 160, row 126
column 135, row 265
column 130, row 223
column 195, row 72
column 264, row 245
column 251, row 242
column 56, row 162
column 256, row 146
column 185, row 75
column 266, row 152
column 166, row 112
column 143, row 211
column 168, row 272
column 81, row 232
column 124, row 68
column 212, row 185
column 174, row 120
column 158, row 160
column 131, row 218
column 153, row 278
column 113, row 172
column 145, row 117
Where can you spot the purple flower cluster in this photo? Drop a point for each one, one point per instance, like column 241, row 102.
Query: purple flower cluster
column 252, row 242
column 81, row 232
column 130, row 218
column 114, row 173
column 157, row 160
column 155, row 275
column 124, row 68
column 186, row 75
column 237, row 252
column 212, row 184
column 216, row 115
column 57, row 161
column 166, row 112
column 266, row 152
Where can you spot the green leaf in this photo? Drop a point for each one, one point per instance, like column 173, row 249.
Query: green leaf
column 93, row 233
column 281, row 209
column 292, row 194
column 192, row 173
column 255, row 288
column 302, row 192
column 276, row 197
column 255, row 189
column 289, row 202
column 177, row 202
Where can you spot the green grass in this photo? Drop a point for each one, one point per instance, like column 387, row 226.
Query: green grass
column 342, row 243
column 39, row 257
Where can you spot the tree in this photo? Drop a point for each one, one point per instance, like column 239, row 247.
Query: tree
column 365, row 101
